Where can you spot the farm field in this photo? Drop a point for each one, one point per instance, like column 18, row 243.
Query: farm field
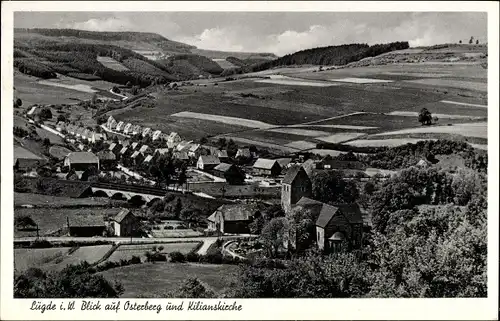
column 472, row 85
column 27, row 258
column 50, row 220
column 137, row 280
column 479, row 130
column 111, row 63
column 56, row 201
column 91, row 254
column 126, row 251
column 392, row 142
column 54, row 139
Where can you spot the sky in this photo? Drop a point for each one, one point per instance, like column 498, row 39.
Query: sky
column 276, row 32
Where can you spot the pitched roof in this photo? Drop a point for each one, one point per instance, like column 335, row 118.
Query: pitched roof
column 194, row 147
column 326, row 213
column 59, row 152
column 121, row 215
column 123, row 150
column 291, row 173
column 161, row 151
column 22, row 153
column 352, row 212
column 222, row 154
column 209, row 159
column 134, row 145
column 143, row 148
column 135, row 154
column 172, row 135
column 223, row 167
column 309, row 165
column 284, row 161
column 238, row 212
column 244, row 152
column 181, row 155
column 86, row 220
column 83, row 158
column 148, row 158
column 264, row 163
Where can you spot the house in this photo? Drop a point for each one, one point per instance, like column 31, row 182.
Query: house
column 137, row 157
column 81, row 161
column 31, row 112
column 119, row 126
column 125, row 143
column 97, row 137
column 136, row 129
column 79, row 131
column 156, row 135
column 295, row 185
column 115, row 148
column 422, row 163
column 232, row 173
column 182, row 145
column 339, row 164
column 80, row 146
column 146, row 131
column 337, row 226
column 173, row 139
column 160, row 151
column 145, row 149
column 125, row 223
column 125, row 151
column 148, row 159
column 222, row 155
column 25, row 160
column 85, row 133
column 111, row 122
column 183, row 156
column 71, row 129
column 134, row 145
column 266, row 167
column 243, row 153
column 107, row 159
column 194, row 150
column 233, row 218
column 126, row 128
column 86, row 225
column 207, row 162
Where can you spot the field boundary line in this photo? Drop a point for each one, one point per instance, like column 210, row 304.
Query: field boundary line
column 463, row 104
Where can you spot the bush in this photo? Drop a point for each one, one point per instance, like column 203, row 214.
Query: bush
column 135, row 260
column 213, row 258
column 193, row 257
column 177, row 257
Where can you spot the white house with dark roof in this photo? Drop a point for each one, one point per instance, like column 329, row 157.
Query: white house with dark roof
column 183, row 145
column 146, row 131
column 125, row 223
column 80, row 161
column 156, row 135
column 134, row 145
column 119, row 126
column 144, row 149
column 173, row 139
column 266, row 167
column 148, row 159
column 60, row 126
column 194, row 150
column 136, row 129
column 207, row 162
column 126, row 128
column 111, row 122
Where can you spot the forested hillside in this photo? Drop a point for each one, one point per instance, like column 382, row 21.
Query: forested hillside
column 332, row 55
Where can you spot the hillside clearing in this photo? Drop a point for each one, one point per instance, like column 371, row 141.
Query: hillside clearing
column 301, row 132
column 224, row 119
column 471, row 85
column 354, row 80
column 301, row 145
column 385, row 142
column 463, row 104
column 78, row 87
column 111, row 63
column 339, row 138
column 295, row 82
column 479, row 130
column 338, row 126
column 441, row 116
column 28, row 258
column 91, row 254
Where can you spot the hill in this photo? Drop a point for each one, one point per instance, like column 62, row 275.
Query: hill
column 438, row 53
column 331, row 55
column 214, row 54
column 137, row 58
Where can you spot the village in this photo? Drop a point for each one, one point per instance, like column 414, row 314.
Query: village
column 123, row 161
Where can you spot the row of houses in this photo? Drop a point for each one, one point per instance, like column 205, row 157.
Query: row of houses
column 80, row 132
column 172, row 139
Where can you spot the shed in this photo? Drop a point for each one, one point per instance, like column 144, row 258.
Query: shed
column 125, row 223
column 232, row 173
column 156, row 134
column 81, row 161
column 266, row 167
column 233, row 218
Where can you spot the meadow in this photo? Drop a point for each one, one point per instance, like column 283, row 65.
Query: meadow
column 137, row 280
column 126, row 251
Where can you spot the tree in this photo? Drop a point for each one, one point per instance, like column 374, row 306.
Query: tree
column 61, row 118
column 222, row 143
column 182, row 177
column 74, row 281
column 178, row 208
column 275, row 236
column 46, row 142
column 460, row 41
column 203, row 140
column 477, row 42
column 302, row 228
column 471, row 41
column 45, row 113
column 190, row 289
column 18, row 103
column 330, row 187
column 425, row 117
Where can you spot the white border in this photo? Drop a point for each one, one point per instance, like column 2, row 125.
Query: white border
column 253, row 309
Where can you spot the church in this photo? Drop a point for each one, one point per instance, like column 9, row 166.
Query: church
column 337, row 225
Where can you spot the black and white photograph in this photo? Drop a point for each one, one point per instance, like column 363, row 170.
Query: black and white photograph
column 249, row 155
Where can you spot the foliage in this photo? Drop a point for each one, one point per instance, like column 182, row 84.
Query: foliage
column 45, row 113
column 332, row 55
column 177, row 257
column 425, row 117
column 74, row 281
column 275, row 236
column 330, row 187
column 34, row 68
column 190, row 289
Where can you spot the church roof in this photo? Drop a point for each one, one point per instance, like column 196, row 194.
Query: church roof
column 291, row 173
